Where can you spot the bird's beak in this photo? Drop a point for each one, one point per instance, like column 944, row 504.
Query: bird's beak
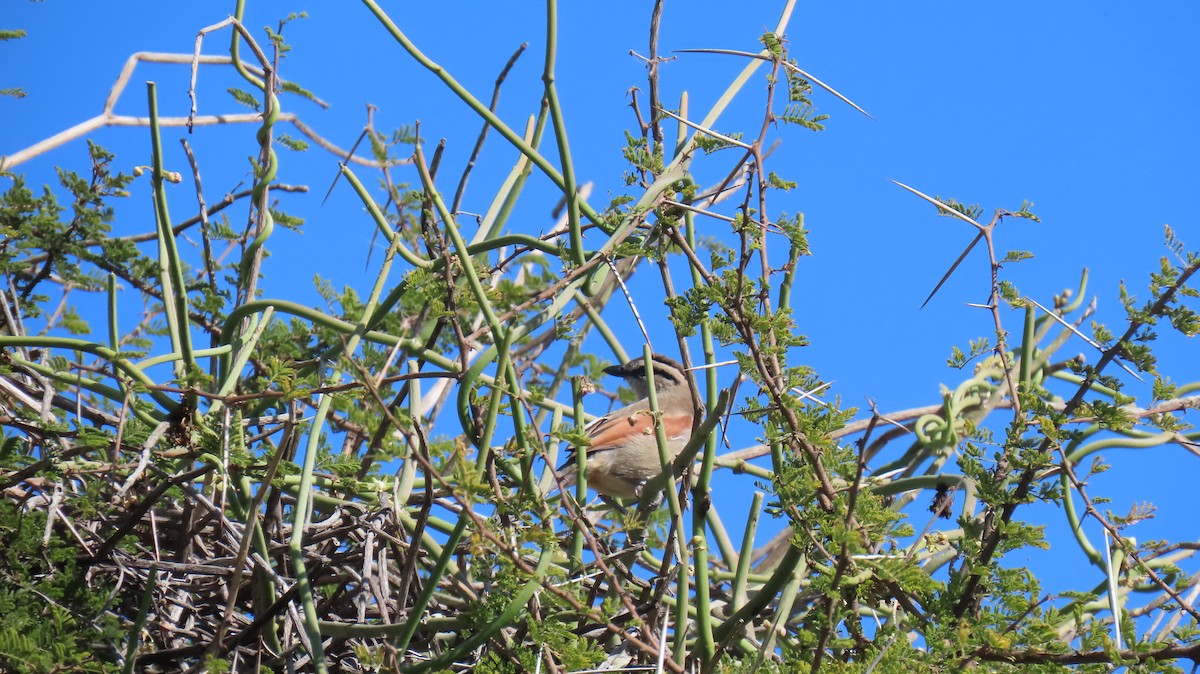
column 615, row 371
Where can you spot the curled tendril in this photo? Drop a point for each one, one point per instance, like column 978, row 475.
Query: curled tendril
column 942, row 431
column 264, row 176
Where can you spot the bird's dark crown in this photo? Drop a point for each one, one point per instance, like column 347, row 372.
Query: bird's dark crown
column 667, row 372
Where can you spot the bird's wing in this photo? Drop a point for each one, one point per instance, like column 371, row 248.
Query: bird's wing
column 613, row 429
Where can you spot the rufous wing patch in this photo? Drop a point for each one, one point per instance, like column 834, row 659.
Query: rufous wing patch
column 614, row 431
column 677, row 426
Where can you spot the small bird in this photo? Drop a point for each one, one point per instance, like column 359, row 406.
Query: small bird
column 623, row 453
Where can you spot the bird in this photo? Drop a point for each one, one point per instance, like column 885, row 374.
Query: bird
column 623, row 450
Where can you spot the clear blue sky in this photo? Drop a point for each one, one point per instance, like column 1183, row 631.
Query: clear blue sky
column 1084, row 108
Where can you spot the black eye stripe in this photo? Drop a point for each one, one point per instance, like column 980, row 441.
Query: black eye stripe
column 672, row 368
column 667, row 374
column 666, row 371
column 664, row 368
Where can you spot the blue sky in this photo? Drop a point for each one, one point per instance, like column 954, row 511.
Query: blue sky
column 1084, row 108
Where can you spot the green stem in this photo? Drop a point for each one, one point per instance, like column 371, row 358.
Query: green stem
column 761, row 599
column 113, row 357
column 381, row 221
column 747, row 551
column 570, row 191
column 460, row 246
column 300, row 514
column 139, row 622
column 506, row 197
column 505, row 618
column 174, row 292
column 475, row 104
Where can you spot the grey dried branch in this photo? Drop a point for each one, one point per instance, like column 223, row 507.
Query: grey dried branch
column 109, row 118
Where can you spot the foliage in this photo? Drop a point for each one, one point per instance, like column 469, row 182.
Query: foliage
column 370, row 485
column 54, row 619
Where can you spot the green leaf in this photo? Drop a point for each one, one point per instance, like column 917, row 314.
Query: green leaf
column 1017, row 256
column 244, row 98
column 294, row 144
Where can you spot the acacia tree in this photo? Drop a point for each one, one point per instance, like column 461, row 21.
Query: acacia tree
column 240, row 480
